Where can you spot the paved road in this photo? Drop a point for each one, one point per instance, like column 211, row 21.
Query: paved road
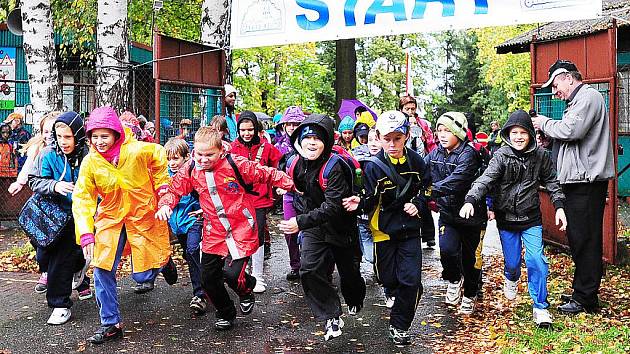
column 160, row 321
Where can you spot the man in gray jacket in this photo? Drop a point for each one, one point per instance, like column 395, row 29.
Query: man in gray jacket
column 585, row 164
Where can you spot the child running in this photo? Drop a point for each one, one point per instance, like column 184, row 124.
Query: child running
column 394, row 195
column 125, row 174
column 454, row 165
column 54, row 173
column 186, row 223
column 515, row 173
column 329, row 233
column 250, row 145
column 230, row 232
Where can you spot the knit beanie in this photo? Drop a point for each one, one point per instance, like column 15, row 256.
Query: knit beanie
column 347, row 123
column 456, row 122
column 312, row 130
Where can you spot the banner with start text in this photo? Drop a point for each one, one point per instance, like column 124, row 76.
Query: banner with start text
column 259, row 23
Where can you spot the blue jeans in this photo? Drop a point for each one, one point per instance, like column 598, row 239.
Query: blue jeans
column 190, row 246
column 535, row 260
column 367, row 245
column 105, row 285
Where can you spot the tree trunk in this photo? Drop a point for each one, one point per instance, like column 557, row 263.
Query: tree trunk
column 41, row 58
column 112, row 58
column 215, row 29
column 346, row 67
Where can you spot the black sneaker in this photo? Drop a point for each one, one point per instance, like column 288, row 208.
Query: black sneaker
column 169, row 271
column 198, row 304
column 143, row 288
column 105, row 334
column 223, row 324
column 247, row 304
column 398, row 336
column 293, row 275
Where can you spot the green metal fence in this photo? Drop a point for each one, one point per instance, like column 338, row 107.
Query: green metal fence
column 186, row 102
column 546, row 104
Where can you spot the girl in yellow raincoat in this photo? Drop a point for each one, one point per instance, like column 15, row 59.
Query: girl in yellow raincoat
column 126, row 175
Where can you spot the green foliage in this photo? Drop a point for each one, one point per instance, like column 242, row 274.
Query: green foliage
column 75, row 21
column 381, row 66
column 178, row 18
column 6, row 6
column 507, row 75
column 269, row 79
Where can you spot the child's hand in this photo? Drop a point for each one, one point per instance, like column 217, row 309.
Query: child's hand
column 164, row 213
column 64, row 188
column 289, row 226
column 88, row 252
column 491, row 215
column 467, row 211
column 351, row 203
column 410, row 209
column 196, row 213
column 281, row 191
column 15, row 188
column 561, row 219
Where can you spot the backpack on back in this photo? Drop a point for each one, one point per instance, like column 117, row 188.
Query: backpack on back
column 247, row 187
column 351, row 167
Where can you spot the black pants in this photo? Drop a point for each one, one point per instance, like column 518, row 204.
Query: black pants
column 317, row 257
column 584, row 208
column 428, row 227
column 63, row 259
column 460, row 254
column 399, row 268
column 261, row 224
column 215, row 270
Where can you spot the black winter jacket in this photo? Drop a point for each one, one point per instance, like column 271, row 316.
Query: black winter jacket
column 513, row 178
column 387, row 215
column 451, row 177
column 320, row 212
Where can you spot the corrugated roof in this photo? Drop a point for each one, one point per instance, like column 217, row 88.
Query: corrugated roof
column 568, row 29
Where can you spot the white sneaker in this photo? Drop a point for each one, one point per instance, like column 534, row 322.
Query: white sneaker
column 543, row 318
column 510, row 289
column 454, row 292
column 468, row 305
column 260, row 286
column 333, row 328
column 389, row 301
column 78, row 277
column 59, row 316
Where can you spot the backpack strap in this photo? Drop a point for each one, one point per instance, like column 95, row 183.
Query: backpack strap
column 393, row 176
column 290, row 167
column 259, row 153
column 324, row 172
column 248, row 187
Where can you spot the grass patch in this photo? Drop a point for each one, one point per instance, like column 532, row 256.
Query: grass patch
column 607, row 331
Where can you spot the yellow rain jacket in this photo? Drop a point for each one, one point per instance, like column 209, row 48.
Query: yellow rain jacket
column 128, row 198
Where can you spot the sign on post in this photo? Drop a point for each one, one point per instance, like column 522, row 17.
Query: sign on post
column 7, row 78
column 258, row 23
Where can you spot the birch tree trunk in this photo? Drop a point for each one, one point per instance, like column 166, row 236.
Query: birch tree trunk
column 41, row 64
column 112, row 57
column 215, row 29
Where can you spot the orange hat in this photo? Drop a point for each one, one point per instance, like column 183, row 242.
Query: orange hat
column 13, row 116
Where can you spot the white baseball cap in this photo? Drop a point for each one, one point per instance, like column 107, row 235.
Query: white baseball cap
column 392, row 121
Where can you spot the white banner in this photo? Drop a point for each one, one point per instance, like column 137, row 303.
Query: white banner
column 258, row 23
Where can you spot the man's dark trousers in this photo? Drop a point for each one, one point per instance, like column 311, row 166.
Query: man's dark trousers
column 584, row 207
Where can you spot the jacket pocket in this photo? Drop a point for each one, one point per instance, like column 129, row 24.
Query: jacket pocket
column 249, row 217
column 575, row 168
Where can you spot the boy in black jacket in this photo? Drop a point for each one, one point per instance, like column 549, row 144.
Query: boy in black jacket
column 394, row 195
column 454, row 165
column 514, row 175
column 329, row 233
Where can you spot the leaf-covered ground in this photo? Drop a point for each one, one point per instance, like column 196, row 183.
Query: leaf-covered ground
column 499, row 325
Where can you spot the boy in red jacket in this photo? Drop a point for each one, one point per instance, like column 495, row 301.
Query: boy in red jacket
column 251, row 146
column 229, row 232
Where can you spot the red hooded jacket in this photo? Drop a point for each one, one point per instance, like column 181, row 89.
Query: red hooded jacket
column 219, row 189
column 266, row 155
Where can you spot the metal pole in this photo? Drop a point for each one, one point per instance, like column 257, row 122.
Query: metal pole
column 156, row 77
